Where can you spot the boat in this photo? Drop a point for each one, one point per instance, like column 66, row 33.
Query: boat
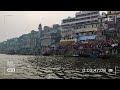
column 75, row 55
column 45, row 54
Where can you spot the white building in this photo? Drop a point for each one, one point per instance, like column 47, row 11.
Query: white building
column 84, row 23
column 114, row 24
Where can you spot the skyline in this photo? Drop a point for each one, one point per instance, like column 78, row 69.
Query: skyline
column 16, row 23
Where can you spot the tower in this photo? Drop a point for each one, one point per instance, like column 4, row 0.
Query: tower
column 40, row 30
column 40, row 35
column 40, row 27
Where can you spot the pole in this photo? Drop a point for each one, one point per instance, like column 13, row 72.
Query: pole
column 4, row 19
column 6, row 15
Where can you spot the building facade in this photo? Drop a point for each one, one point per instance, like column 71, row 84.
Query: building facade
column 50, row 36
column 113, row 30
column 84, row 23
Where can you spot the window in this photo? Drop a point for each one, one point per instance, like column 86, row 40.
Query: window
column 88, row 17
column 88, row 14
column 94, row 16
column 74, row 27
column 82, row 18
column 110, row 16
column 95, row 12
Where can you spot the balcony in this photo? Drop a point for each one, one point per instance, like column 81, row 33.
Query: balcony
column 85, row 30
column 86, row 13
column 81, row 19
column 81, row 22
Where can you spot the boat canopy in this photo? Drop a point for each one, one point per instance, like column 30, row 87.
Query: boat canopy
column 87, row 37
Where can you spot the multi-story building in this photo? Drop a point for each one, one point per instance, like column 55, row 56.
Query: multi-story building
column 33, row 42
column 50, row 36
column 113, row 30
column 12, row 45
column 102, row 22
column 84, row 23
column 56, row 26
column 113, row 12
column 3, row 47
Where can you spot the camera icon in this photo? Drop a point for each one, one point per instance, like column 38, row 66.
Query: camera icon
column 10, row 70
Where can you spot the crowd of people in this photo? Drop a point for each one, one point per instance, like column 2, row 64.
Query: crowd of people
column 108, row 47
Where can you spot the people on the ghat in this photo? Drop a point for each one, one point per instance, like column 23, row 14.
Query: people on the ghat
column 99, row 48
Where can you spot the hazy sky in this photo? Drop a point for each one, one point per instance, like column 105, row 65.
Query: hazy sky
column 22, row 22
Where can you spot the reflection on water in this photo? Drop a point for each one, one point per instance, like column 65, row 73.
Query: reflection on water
column 43, row 67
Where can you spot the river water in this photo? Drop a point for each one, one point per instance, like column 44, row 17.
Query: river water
column 49, row 67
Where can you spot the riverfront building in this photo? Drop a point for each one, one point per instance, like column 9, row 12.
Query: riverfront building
column 49, row 36
column 113, row 30
column 84, row 23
